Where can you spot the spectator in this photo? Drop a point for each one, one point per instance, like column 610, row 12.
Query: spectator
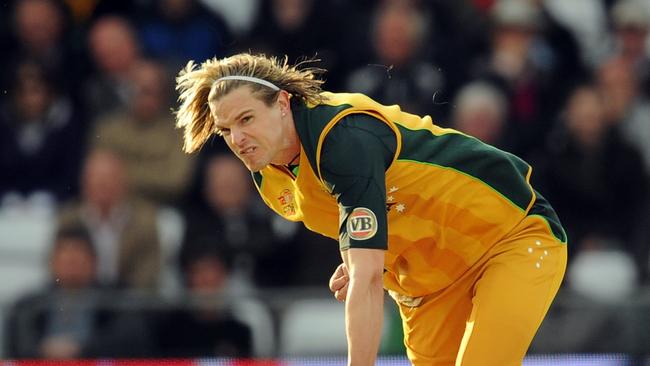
column 262, row 250
column 206, row 329
column 182, row 30
column 66, row 320
column 228, row 217
column 41, row 33
column 530, row 72
column 625, row 105
column 296, row 28
column 590, row 174
column 123, row 229
column 40, row 132
column 481, row 111
column 145, row 138
column 631, row 24
column 399, row 75
column 115, row 51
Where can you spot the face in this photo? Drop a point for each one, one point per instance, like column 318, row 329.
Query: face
column 32, row 99
column 72, row 264
column 149, row 99
column 258, row 134
column 104, row 182
column 396, row 36
column 586, row 116
column 39, row 24
column 227, row 185
column 481, row 120
column 113, row 45
column 206, row 275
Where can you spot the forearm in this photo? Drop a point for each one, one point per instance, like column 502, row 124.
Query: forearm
column 364, row 318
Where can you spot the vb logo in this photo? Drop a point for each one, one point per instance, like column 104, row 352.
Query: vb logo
column 362, row 224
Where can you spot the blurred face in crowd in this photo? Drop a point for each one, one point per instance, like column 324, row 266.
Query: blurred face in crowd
column 72, row 263
column 515, row 40
column 510, row 50
column 259, row 134
column 617, row 82
column 228, row 185
column 150, row 97
column 206, row 275
column 632, row 41
column 176, row 10
column 38, row 24
column 104, row 181
column 291, row 14
column 33, row 95
column 480, row 119
column 397, row 33
column 585, row 116
column 113, row 45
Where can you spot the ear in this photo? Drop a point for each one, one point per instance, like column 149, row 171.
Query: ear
column 284, row 101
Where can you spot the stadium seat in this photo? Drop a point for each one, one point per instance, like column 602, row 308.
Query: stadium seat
column 171, row 226
column 313, row 327
column 257, row 316
column 3, row 312
column 27, row 233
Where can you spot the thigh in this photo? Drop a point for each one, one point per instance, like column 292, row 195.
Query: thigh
column 434, row 329
column 511, row 298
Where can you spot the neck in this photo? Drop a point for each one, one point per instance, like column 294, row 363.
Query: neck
column 290, row 154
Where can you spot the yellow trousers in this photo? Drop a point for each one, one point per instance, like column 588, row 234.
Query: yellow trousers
column 491, row 314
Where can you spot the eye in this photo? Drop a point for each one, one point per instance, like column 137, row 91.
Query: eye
column 246, row 119
column 223, row 131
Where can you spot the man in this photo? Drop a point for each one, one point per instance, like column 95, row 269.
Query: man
column 448, row 225
column 73, row 316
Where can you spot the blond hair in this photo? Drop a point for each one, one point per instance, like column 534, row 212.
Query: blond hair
column 196, row 87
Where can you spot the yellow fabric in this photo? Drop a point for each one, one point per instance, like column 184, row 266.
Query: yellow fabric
column 494, row 310
column 476, row 271
column 441, row 222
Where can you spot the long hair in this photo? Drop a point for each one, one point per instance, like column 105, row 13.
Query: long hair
column 196, row 87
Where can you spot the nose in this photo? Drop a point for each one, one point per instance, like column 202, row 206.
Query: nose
column 237, row 137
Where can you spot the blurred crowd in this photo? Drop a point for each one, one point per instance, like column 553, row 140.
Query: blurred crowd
column 87, row 135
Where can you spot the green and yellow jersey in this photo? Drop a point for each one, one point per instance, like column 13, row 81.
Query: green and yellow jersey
column 373, row 176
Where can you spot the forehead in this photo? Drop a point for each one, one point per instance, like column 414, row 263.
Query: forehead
column 226, row 108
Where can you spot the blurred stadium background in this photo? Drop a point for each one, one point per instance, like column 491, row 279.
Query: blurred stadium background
column 116, row 246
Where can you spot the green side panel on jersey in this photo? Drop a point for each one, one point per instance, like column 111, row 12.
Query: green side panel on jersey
column 257, row 178
column 543, row 208
column 502, row 171
column 310, row 123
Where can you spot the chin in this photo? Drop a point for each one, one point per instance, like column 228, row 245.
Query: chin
column 254, row 166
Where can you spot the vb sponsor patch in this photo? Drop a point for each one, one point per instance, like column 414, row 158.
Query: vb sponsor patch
column 362, row 224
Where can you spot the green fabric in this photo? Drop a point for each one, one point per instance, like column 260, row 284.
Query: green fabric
column 469, row 156
column 543, row 208
column 355, row 156
column 310, row 122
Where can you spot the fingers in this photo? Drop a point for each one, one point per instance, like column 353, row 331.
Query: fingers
column 342, row 293
column 340, row 272
column 338, row 283
column 343, row 268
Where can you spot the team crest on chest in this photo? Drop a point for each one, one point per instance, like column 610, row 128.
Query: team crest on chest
column 362, row 224
column 287, row 202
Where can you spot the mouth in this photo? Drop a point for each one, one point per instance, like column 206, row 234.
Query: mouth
column 247, row 151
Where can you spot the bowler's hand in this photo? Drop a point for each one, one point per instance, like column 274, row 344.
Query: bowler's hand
column 339, row 282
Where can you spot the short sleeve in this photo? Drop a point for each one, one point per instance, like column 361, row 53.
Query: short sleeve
column 356, row 154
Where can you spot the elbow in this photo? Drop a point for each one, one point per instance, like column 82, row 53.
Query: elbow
column 369, row 275
column 366, row 266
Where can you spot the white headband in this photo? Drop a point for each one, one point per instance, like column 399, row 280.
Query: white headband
column 249, row 78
